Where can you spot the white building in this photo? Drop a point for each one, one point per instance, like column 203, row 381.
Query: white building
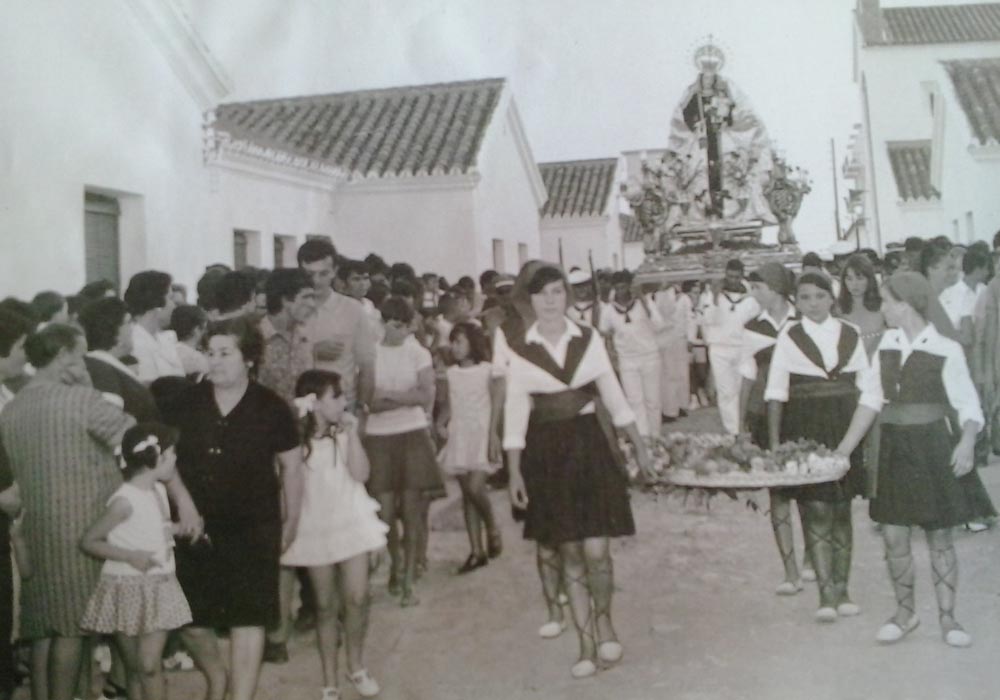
column 101, row 158
column 580, row 218
column 439, row 176
column 117, row 155
column 926, row 159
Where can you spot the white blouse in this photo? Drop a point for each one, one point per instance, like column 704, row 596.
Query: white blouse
column 525, row 378
column 788, row 359
column 754, row 342
column 957, row 382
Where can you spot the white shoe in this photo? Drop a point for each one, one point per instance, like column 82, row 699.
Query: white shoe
column 363, row 682
column 808, row 574
column 958, row 638
column 551, row 629
column 848, row 609
column 826, row 615
column 583, row 669
column 610, row 651
column 102, row 655
column 788, row 588
column 890, row 632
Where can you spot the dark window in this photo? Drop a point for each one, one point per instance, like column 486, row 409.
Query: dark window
column 101, row 244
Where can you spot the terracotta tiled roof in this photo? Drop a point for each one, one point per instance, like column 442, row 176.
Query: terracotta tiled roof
column 395, row 131
column 937, row 24
column 911, row 166
column 631, row 231
column 578, row 187
column 977, row 85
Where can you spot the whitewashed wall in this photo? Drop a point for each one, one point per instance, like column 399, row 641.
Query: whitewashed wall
column 599, row 235
column 899, row 111
column 90, row 103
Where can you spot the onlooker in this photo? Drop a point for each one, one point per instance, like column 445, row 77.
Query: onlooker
column 108, row 328
column 55, row 421
column 189, row 324
column 14, row 329
column 235, row 295
column 291, row 302
column 50, row 307
column 148, row 300
column 343, row 339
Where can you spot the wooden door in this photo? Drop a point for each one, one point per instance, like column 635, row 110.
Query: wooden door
column 101, row 242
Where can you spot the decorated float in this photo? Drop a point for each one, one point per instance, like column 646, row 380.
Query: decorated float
column 718, row 186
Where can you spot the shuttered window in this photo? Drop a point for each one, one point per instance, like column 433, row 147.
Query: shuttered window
column 101, row 243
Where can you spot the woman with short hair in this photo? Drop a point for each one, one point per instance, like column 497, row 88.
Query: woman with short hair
column 232, row 432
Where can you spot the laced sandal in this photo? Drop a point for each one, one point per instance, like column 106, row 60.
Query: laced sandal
column 954, row 634
column 610, row 651
column 585, row 668
column 891, row 632
column 363, row 682
column 786, row 588
column 552, row 629
column 826, row 615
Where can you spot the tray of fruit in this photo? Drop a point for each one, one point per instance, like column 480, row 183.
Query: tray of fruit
column 710, row 460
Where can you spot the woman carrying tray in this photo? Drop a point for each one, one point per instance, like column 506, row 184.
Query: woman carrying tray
column 925, row 473
column 562, row 470
column 770, row 285
column 821, row 385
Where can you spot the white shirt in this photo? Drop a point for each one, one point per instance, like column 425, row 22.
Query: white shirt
column 396, row 369
column 525, row 378
column 157, row 356
column 755, row 342
column 788, row 359
column 955, row 373
column 146, row 529
column 583, row 312
column 723, row 318
column 633, row 332
column 108, row 358
column 958, row 301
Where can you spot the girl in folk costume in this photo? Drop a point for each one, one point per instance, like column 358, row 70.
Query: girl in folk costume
column 338, row 529
column 771, row 286
column 925, row 469
column 633, row 323
column 471, row 453
column 819, row 383
column 138, row 598
column 562, row 470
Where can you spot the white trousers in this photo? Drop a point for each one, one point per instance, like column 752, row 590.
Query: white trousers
column 641, row 384
column 725, row 360
column 675, row 377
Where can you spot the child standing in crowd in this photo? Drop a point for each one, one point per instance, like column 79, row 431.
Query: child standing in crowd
column 338, row 529
column 471, row 453
column 138, row 598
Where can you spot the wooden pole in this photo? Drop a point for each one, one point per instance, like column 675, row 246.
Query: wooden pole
column 561, row 255
column 836, row 195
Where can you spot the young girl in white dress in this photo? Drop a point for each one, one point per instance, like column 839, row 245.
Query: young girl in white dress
column 138, row 598
column 338, row 529
column 471, row 454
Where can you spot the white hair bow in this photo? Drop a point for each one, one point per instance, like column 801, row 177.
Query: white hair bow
column 149, row 441
column 305, row 404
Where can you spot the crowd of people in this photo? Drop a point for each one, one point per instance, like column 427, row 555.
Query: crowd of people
column 170, row 471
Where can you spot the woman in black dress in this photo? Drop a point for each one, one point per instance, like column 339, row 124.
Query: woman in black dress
column 820, row 385
column 561, row 466
column 232, row 431
column 926, row 476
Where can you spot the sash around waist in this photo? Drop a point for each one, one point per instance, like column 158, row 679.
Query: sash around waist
column 913, row 413
column 808, row 388
column 561, row 405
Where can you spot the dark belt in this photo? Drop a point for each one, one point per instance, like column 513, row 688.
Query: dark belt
column 913, row 413
column 560, row 405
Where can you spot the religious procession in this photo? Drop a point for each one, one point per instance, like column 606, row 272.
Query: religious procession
column 431, row 419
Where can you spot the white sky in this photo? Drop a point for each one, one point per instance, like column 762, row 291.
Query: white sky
column 591, row 78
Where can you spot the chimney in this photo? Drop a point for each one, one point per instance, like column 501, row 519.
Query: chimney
column 869, row 15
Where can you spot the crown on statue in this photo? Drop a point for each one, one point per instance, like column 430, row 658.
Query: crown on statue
column 709, row 58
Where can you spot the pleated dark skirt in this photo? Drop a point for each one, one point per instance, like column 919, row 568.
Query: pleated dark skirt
column 824, row 419
column 575, row 489
column 916, row 485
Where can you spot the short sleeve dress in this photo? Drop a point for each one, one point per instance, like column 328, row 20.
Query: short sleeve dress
column 228, row 464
